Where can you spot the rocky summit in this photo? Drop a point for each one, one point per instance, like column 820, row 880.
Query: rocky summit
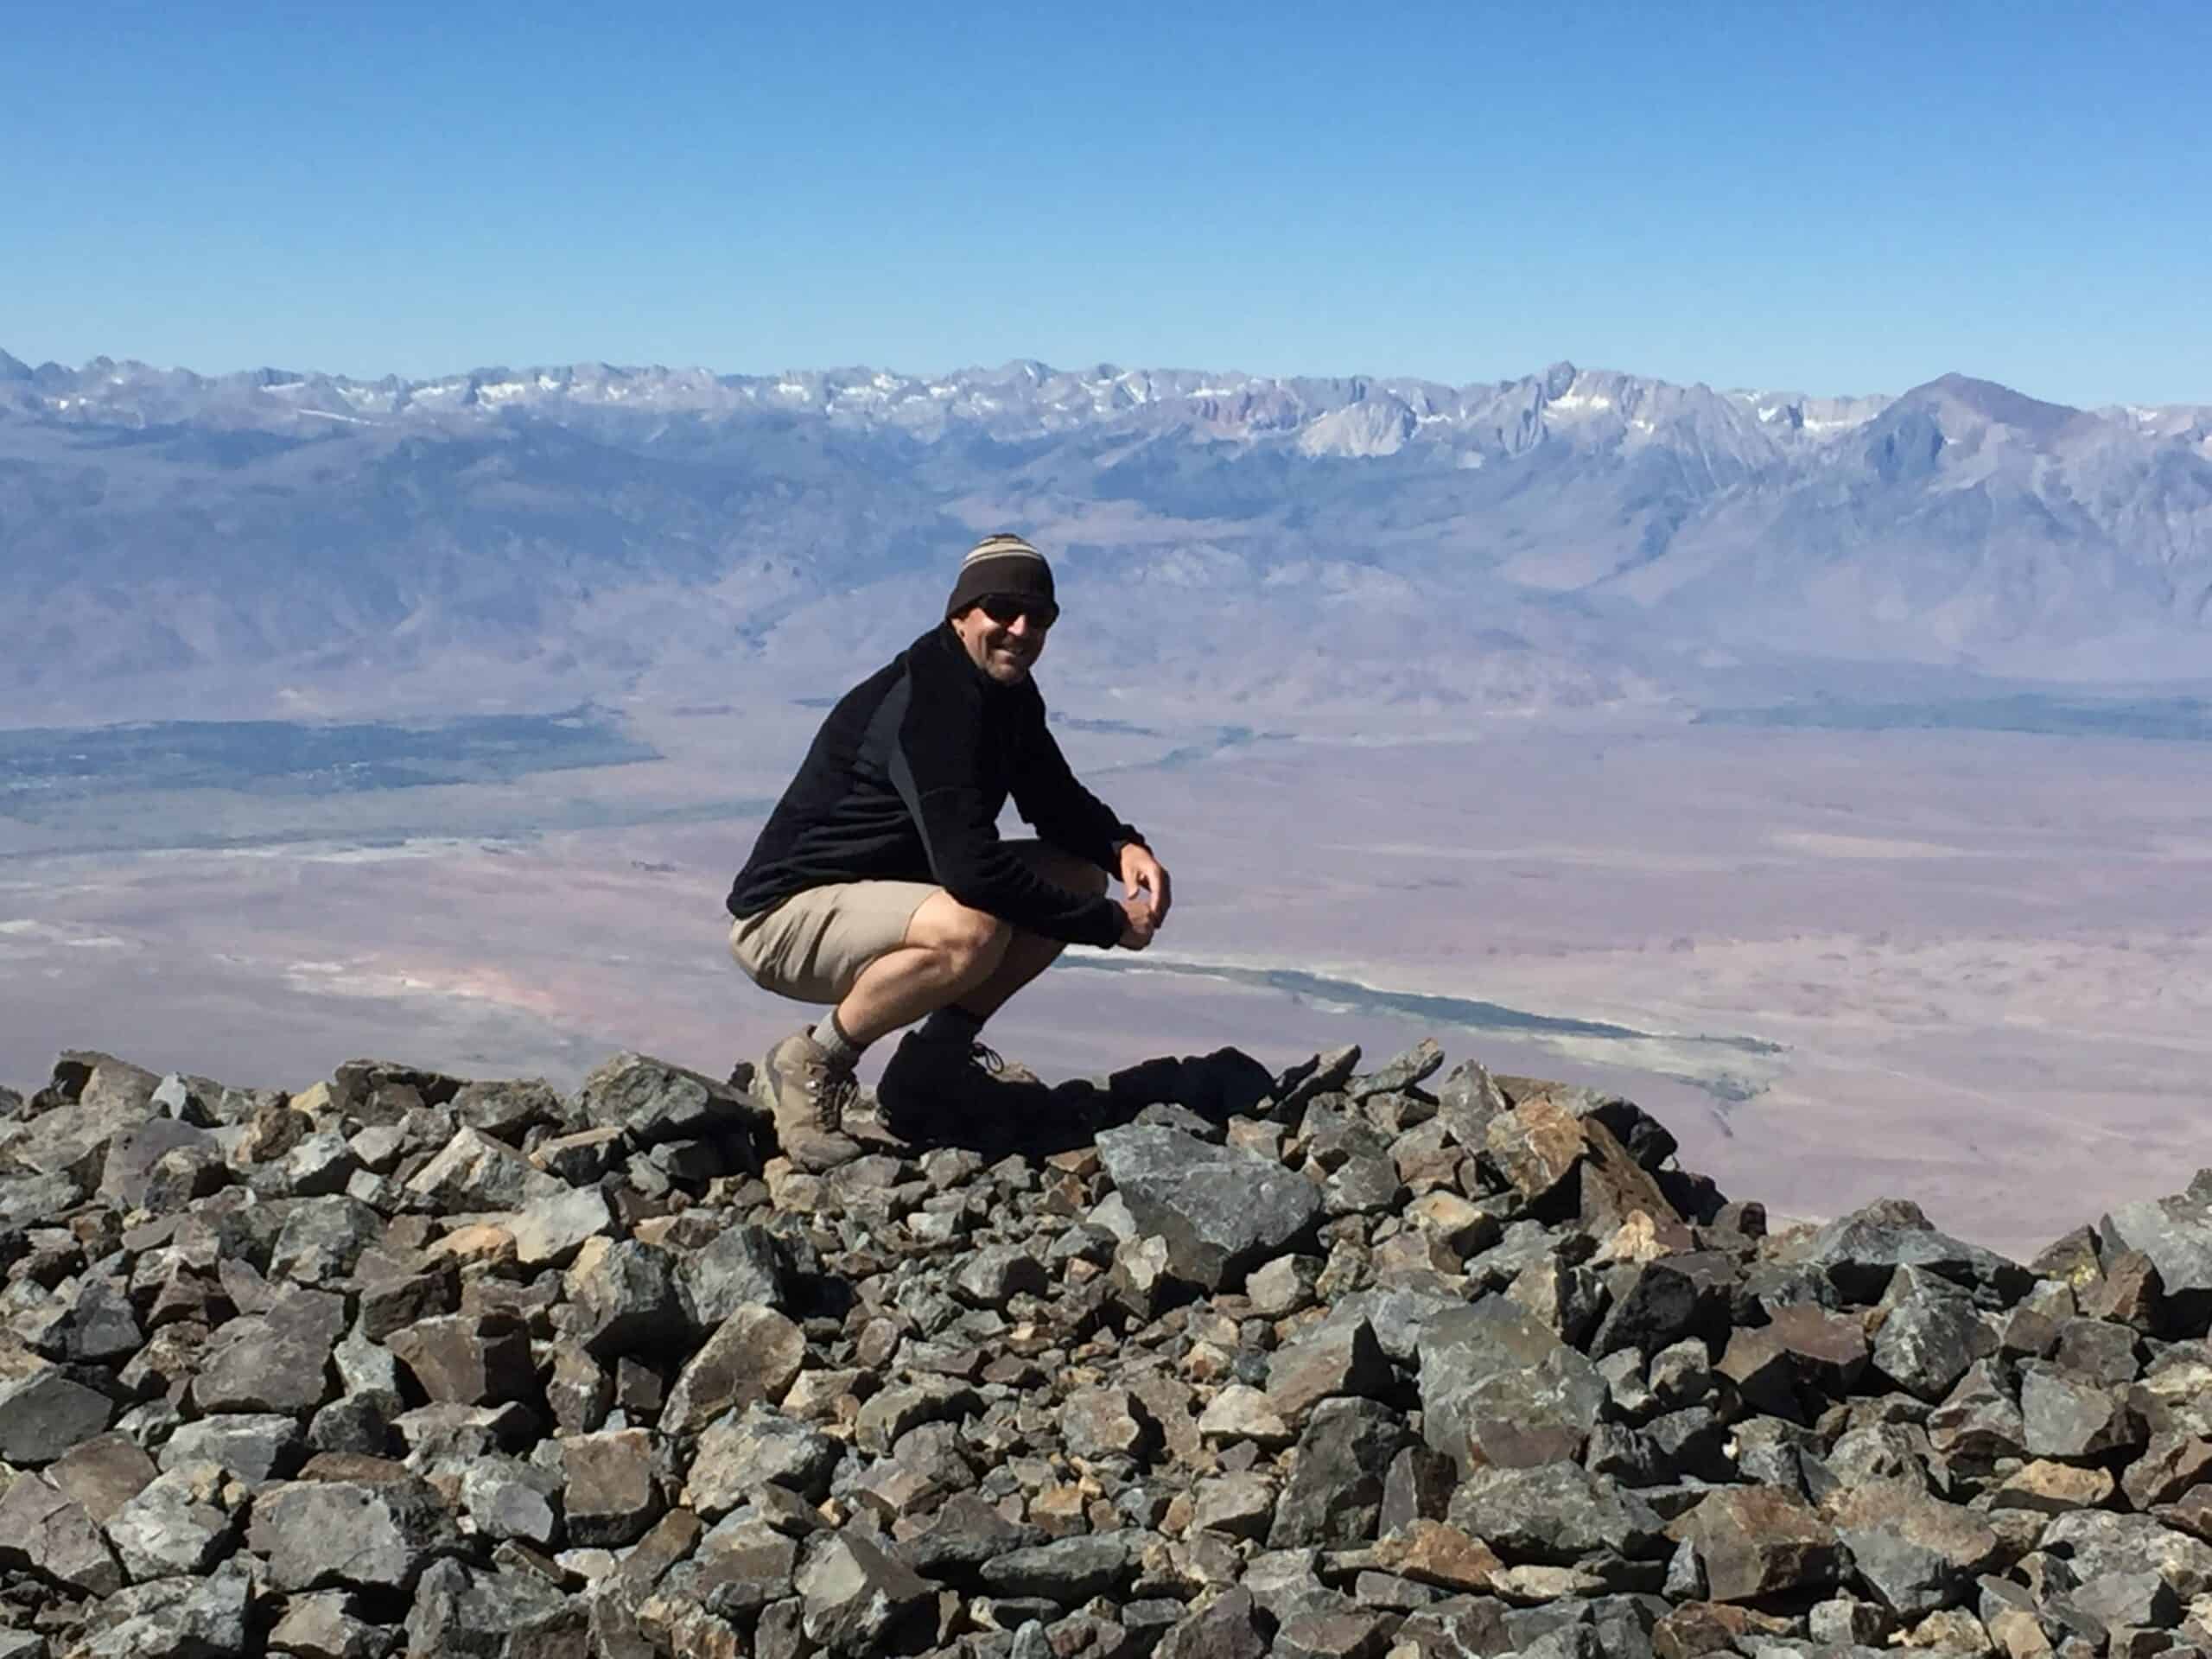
column 1332, row 1363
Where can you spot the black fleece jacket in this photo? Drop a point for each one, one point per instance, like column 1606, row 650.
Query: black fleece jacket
column 904, row 783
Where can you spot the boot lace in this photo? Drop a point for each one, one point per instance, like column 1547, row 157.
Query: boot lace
column 988, row 1057
column 833, row 1092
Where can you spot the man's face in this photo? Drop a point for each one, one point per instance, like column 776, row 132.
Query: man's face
column 1004, row 636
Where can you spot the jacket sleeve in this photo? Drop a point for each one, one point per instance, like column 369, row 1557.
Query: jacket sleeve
column 1061, row 810
column 933, row 768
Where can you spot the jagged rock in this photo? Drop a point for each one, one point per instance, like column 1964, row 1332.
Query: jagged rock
column 322, row 1238
column 102, row 1474
column 1754, row 1542
column 745, row 1450
column 611, row 1496
column 551, row 1229
column 2098, row 1542
column 459, row 1610
column 1860, row 1251
column 739, row 1267
column 1226, row 1628
column 43, row 1532
column 1067, row 1570
column 44, row 1414
column 753, row 1356
column 474, row 1173
column 465, row 1361
column 1931, row 1333
column 325, row 1625
column 1497, row 1387
column 2066, row 1417
column 859, row 1601
column 1334, row 1360
column 1913, row 1551
column 170, row 1618
column 657, row 1102
column 1222, row 1210
column 623, row 1296
column 180, row 1525
column 277, row 1362
column 2175, row 1236
column 2169, row 1467
column 1335, row 1493
column 369, row 1535
column 1557, row 1513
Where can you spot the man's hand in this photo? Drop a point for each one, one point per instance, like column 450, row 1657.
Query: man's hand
column 1138, row 923
column 1143, row 874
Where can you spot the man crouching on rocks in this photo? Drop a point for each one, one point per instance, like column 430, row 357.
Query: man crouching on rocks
column 880, row 884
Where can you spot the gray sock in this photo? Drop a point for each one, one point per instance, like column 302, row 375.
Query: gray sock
column 842, row 1051
column 952, row 1025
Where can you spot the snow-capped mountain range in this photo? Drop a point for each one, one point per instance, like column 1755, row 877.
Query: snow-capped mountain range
column 1570, row 536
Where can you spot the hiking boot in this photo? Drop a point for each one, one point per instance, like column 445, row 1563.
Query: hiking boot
column 806, row 1095
column 936, row 1090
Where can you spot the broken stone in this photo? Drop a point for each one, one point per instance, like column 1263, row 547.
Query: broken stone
column 1222, row 1210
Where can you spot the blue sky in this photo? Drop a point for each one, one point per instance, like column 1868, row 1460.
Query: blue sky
column 1828, row 199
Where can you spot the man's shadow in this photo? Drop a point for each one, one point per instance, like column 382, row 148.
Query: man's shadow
column 1017, row 1117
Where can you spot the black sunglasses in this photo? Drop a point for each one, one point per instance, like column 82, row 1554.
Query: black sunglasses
column 1002, row 608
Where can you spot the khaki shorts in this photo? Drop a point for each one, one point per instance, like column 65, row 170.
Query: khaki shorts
column 813, row 945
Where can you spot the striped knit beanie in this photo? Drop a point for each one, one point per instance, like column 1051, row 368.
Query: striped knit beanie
column 1001, row 564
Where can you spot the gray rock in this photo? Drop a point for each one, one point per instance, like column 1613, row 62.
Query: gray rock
column 1860, row 1251
column 44, row 1414
column 324, row 1535
column 964, row 1534
column 1912, row 1550
column 474, row 1174
column 2098, row 1542
column 1931, row 1333
column 757, row 1447
column 739, row 1267
column 1223, row 1210
column 1067, row 1570
column 506, row 1497
column 753, row 1356
column 265, row 1364
column 469, row 1361
column 43, row 1532
column 325, row 1625
column 2175, row 1234
column 1226, row 1628
column 1498, row 1388
column 318, row 1166
column 623, row 1295
column 131, row 1156
column 171, row 1618
column 860, row 1600
column 1335, row 1495
column 1334, row 1360
column 102, row 1474
column 611, row 1496
column 2066, row 1417
column 657, row 1102
column 322, row 1238
column 996, row 1274
column 477, row 1615
column 180, row 1525
column 553, row 1228
column 1754, row 1542
column 1556, row 1513
column 507, row 1108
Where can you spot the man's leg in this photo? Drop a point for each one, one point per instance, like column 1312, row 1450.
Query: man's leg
column 951, row 952
column 1027, row 954
column 935, row 1066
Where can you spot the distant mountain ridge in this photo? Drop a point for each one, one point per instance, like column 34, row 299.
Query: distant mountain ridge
column 1574, row 536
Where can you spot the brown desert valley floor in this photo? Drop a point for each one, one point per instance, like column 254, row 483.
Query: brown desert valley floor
column 1969, row 968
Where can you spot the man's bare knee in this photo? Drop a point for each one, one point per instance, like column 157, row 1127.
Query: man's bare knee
column 970, row 941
